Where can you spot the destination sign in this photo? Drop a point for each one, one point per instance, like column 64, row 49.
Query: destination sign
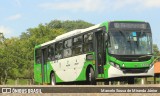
column 129, row 25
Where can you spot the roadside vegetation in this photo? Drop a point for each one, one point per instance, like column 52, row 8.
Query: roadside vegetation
column 17, row 53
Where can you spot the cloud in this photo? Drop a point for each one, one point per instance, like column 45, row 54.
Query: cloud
column 85, row 5
column 14, row 17
column 135, row 4
column 152, row 3
column 5, row 30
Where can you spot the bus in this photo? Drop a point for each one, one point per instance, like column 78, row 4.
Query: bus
column 107, row 51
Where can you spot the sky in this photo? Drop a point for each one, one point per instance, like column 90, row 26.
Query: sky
column 16, row 16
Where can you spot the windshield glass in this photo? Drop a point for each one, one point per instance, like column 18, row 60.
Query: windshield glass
column 130, row 43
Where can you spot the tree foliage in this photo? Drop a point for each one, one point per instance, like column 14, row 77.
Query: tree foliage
column 156, row 52
column 17, row 54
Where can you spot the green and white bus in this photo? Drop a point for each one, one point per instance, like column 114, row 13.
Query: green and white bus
column 106, row 51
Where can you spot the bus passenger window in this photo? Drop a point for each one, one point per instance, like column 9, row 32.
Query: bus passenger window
column 58, row 50
column 68, row 43
column 67, row 52
column 67, row 48
column 77, row 40
column 77, row 50
column 77, row 45
column 51, row 52
column 88, row 43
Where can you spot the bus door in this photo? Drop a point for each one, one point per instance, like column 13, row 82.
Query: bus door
column 38, row 65
column 44, row 65
column 99, row 51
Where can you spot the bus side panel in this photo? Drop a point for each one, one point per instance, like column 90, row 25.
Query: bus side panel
column 37, row 73
column 49, row 71
column 106, row 68
column 82, row 75
column 71, row 69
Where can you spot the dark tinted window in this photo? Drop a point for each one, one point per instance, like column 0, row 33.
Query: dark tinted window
column 38, row 54
column 68, row 43
column 88, row 42
column 51, row 52
column 77, row 45
column 58, row 50
column 67, row 48
column 77, row 40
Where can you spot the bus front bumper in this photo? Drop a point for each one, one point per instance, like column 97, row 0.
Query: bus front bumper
column 114, row 72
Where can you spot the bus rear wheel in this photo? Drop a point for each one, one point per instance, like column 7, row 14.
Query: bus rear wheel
column 53, row 79
column 91, row 77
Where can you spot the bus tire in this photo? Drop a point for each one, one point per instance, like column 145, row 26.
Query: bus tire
column 53, row 79
column 91, row 77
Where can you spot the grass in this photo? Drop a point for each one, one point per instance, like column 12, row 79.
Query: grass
column 17, row 82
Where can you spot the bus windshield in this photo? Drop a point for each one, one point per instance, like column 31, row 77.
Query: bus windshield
column 130, row 42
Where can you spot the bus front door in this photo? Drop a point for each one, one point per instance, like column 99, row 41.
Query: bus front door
column 44, row 65
column 100, row 53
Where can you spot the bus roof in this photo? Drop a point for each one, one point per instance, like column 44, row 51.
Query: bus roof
column 70, row 34
column 127, row 21
column 75, row 32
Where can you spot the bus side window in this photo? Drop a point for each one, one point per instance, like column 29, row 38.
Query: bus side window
column 88, row 42
column 51, row 52
column 45, row 55
column 38, row 54
column 67, row 48
column 58, row 50
column 77, row 45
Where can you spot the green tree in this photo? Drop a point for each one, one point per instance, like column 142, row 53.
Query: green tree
column 17, row 54
column 8, row 58
column 156, row 52
column 69, row 25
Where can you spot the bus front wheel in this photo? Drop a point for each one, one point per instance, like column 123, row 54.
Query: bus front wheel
column 91, row 76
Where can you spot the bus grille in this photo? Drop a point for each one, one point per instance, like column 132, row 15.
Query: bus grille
column 134, row 70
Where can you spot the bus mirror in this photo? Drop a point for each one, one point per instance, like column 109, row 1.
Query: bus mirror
column 106, row 38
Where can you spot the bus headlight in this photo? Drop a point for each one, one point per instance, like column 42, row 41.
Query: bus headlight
column 151, row 65
column 123, row 65
column 111, row 63
column 115, row 65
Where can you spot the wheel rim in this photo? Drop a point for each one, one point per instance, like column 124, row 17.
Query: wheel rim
column 90, row 77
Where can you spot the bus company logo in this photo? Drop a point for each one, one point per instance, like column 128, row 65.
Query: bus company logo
column 145, row 65
column 6, row 90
